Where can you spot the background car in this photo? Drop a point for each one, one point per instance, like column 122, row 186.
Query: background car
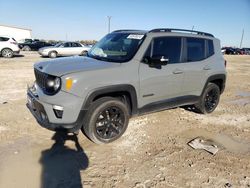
column 64, row 49
column 246, row 51
column 8, row 47
column 33, row 45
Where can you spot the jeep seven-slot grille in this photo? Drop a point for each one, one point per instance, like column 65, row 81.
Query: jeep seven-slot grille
column 41, row 78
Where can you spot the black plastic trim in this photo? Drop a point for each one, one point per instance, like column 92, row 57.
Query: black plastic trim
column 217, row 77
column 108, row 90
column 38, row 109
column 168, row 103
column 183, row 30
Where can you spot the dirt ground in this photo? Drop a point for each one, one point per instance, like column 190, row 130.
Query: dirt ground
column 152, row 153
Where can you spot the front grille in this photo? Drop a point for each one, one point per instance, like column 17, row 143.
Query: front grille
column 41, row 78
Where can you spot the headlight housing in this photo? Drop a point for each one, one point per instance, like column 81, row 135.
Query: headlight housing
column 48, row 83
column 52, row 85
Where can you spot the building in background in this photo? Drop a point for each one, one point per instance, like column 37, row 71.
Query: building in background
column 17, row 33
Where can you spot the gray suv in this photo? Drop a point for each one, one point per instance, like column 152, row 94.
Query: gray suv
column 128, row 73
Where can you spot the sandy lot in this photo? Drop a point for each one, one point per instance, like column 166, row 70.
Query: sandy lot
column 152, row 153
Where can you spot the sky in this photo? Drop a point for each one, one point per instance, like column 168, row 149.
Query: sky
column 87, row 19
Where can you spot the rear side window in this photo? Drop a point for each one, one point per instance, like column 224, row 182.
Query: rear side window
column 210, row 48
column 2, row 39
column 75, row 45
column 67, row 44
column 169, row 47
column 195, row 49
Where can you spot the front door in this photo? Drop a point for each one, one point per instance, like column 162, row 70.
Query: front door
column 159, row 82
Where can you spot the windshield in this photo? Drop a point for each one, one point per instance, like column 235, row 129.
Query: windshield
column 116, row 47
column 58, row 44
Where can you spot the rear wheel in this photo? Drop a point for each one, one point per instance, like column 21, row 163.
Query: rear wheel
column 26, row 48
column 53, row 54
column 209, row 99
column 106, row 120
column 83, row 53
column 7, row 53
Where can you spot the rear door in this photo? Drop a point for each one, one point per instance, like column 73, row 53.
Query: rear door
column 64, row 49
column 197, row 64
column 76, row 48
column 158, row 83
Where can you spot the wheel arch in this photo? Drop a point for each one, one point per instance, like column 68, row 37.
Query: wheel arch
column 6, row 48
column 218, row 79
column 125, row 92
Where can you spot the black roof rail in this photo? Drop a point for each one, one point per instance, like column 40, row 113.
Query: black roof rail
column 184, row 30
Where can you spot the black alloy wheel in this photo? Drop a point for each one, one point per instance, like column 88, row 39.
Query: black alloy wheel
column 106, row 120
column 211, row 100
column 110, row 122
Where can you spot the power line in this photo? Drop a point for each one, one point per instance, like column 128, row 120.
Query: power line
column 242, row 38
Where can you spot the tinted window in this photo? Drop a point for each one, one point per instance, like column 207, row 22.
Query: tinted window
column 195, row 49
column 169, row 47
column 210, row 48
column 75, row 45
column 4, row 39
column 67, row 44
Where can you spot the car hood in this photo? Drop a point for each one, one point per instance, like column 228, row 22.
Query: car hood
column 67, row 65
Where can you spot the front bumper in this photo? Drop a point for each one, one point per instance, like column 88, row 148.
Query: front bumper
column 37, row 109
column 42, row 53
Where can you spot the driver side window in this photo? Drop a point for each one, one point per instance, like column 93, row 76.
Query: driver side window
column 167, row 47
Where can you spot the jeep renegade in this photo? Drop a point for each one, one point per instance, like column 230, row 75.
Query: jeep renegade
column 127, row 73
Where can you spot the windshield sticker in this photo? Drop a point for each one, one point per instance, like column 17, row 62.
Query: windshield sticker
column 138, row 37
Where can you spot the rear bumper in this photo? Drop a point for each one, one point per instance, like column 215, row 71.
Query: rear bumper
column 38, row 111
column 16, row 52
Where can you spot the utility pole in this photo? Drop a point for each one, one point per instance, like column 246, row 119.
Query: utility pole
column 109, row 18
column 242, row 38
column 193, row 28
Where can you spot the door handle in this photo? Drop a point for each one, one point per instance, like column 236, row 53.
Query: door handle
column 177, row 71
column 206, row 68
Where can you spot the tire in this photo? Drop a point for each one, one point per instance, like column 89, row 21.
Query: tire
column 53, row 54
column 26, row 48
column 83, row 53
column 7, row 53
column 106, row 120
column 209, row 99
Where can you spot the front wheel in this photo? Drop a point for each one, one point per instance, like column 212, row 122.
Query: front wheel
column 209, row 99
column 53, row 54
column 106, row 120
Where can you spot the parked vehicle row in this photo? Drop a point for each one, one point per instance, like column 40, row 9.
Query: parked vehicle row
column 9, row 47
column 33, row 45
column 235, row 51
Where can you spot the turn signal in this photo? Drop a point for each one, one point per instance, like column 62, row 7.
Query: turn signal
column 69, row 83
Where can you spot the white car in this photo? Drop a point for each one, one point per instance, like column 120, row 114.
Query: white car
column 8, row 47
column 64, row 49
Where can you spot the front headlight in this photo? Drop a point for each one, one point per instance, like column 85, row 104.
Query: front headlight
column 53, row 85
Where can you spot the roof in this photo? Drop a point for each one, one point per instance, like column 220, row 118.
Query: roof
column 16, row 27
column 166, row 30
